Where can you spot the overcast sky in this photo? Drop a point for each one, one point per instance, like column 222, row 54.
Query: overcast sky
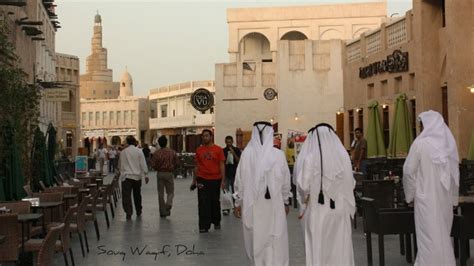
column 161, row 42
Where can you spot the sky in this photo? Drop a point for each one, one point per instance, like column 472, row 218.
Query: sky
column 162, row 42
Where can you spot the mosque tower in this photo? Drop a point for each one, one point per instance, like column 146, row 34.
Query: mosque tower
column 126, row 84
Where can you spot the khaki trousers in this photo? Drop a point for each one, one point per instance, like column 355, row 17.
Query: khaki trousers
column 165, row 181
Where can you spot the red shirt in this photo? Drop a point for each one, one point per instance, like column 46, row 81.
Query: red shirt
column 208, row 161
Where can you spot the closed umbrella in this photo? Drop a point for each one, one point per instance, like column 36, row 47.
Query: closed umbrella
column 470, row 155
column 401, row 136
column 51, row 132
column 11, row 175
column 40, row 166
column 375, row 141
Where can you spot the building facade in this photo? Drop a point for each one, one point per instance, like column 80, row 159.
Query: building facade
column 172, row 115
column 294, row 52
column 435, row 66
column 68, row 132
column 110, row 121
column 97, row 82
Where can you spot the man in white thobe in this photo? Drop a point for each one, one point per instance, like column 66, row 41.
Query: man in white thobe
column 325, row 186
column 262, row 190
column 431, row 181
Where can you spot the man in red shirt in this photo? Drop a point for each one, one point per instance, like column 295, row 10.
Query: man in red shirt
column 209, row 178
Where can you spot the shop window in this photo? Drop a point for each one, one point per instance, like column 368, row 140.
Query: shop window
column 351, row 126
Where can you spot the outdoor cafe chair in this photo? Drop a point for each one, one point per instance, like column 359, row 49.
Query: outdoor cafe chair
column 9, row 249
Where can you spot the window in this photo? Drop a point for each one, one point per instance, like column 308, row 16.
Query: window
column 164, row 110
column 119, row 118
column 93, row 92
column 91, row 117
column 105, row 91
column 104, row 118
column 152, row 113
column 123, row 84
column 361, row 117
column 84, row 117
column 133, row 117
column 411, row 83
column 174, row 113
column 370, row 91
column 397, row 86
column 126, row 118
column 97, row 118
column 111, row 117
column 413, row 117
column 386, row 126
column 384, row 88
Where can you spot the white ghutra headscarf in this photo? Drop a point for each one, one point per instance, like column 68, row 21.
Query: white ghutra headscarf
column 437, row 133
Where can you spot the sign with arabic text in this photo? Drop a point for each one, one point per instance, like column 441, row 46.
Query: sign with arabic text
column 396, row 62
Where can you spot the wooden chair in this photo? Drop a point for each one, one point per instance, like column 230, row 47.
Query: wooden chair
column 78, row 223
column 63, row 245
column 9, row 250
column 101, row 204
column 22, row 207
column 462, row 231
column 386, row 221
column 91, row 211
column 48, row 247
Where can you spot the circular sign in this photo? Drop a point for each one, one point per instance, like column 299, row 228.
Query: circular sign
column 202, row 100
column 269, row 94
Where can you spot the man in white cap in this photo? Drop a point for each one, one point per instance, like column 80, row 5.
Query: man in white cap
column 325, row 185
column 431, row 181
column 262, row 191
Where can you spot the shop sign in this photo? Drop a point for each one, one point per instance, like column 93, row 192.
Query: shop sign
column 396, row 62
column 202, row 100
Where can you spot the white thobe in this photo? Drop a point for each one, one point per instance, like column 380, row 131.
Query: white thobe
column 328, row 232
column 433, row 205
column 264, row 221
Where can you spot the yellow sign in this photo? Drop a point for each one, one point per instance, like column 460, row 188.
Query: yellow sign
column 56, row 95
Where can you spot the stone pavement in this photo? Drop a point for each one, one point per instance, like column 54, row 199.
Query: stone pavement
column 151, row 240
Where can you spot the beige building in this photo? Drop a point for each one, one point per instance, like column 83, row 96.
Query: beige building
column 68, row 132
column 97, row 82
column 438, row 40
column 296, row 52
column 172, row 115
column 110, row 121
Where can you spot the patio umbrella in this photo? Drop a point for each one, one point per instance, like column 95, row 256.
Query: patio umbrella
column 40, row 167
column 401, row 136
column 51, row 132
column 470, row 154
column 375, row 142
column 11, row 175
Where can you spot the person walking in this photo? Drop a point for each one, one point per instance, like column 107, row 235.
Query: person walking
column 165, row 161
column 132, row 167
column 431, row 182
column 232, row 157
column 101, row 155
column 209, row 179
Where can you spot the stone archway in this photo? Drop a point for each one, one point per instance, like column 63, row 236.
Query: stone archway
column 294, row 36
column 255, row 47
column 116, row 141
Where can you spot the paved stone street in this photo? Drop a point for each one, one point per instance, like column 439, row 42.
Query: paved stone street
column 180, row 243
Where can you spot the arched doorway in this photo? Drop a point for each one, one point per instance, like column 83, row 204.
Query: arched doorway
column 116, row 141
column 294, row 36
column 255, row 47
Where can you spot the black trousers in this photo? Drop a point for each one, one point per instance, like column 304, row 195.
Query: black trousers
column 209, row 192
column 129, row 186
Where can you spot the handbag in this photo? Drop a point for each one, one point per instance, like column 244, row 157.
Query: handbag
column 226, row 200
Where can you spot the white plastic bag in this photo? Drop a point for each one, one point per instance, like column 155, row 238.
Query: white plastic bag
column 226, row 200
